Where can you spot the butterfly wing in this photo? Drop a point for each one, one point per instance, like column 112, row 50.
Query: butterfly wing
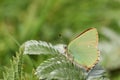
column 84, row 49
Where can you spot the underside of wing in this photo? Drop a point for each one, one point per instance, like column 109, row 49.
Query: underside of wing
column 84, row 49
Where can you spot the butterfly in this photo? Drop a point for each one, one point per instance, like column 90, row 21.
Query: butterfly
column 84, row 49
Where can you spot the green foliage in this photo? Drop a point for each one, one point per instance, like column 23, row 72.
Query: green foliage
column 58, row 66
column 46, row 19
column 14, row 72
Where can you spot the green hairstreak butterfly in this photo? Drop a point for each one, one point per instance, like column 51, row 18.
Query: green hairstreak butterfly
column 84, row 49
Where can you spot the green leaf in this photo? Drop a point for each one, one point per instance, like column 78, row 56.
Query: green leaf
column 14, row 71
column 97, row 73
column 38, row 47
column 59, row 68
column 56, row 67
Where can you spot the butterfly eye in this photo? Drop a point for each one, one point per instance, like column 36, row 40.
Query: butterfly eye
column 65, row 47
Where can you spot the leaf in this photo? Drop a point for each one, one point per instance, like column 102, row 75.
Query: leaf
column 58, row 68
column 97, row 73
column 14, row 72
column 61, row 48
column 38, row 47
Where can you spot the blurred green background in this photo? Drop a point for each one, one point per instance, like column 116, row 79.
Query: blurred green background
column 59, row 21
